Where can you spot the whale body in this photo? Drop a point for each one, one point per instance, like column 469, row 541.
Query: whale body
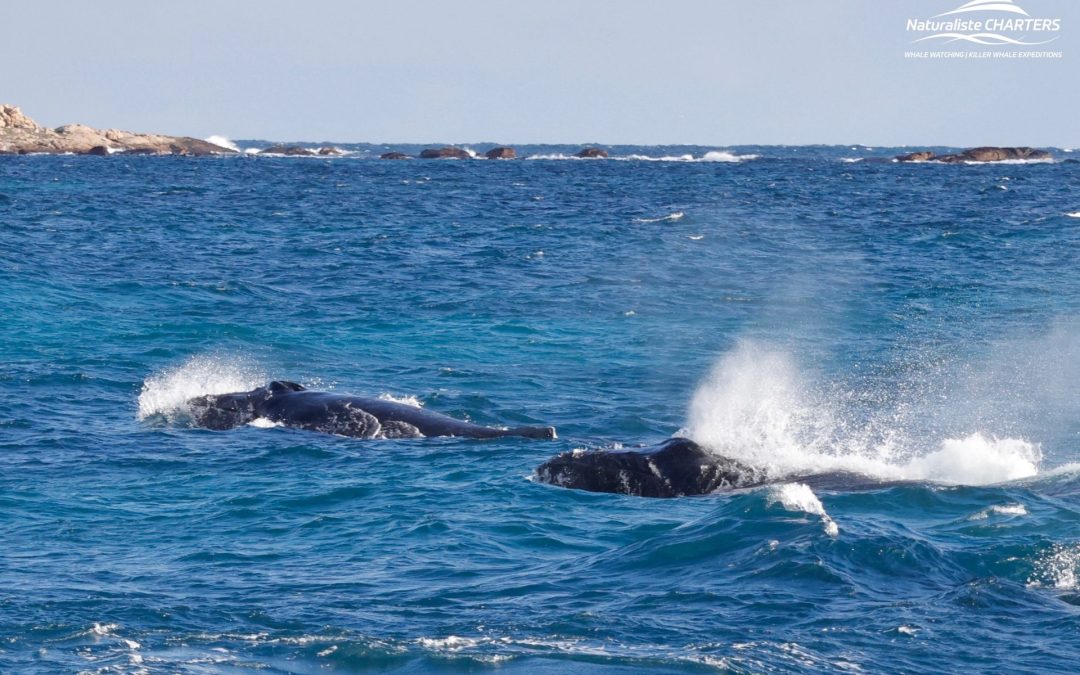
column 291, row 405
column 678, row 467
column 675, row 468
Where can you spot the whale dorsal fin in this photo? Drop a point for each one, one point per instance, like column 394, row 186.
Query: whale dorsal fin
column 283, row 387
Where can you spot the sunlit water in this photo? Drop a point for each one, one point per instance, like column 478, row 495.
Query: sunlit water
column 786, row 306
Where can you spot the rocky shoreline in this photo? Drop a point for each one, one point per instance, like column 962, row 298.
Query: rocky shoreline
column 20, row 135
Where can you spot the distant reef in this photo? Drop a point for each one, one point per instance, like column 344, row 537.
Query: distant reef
column 20, row 135
column 985, row 154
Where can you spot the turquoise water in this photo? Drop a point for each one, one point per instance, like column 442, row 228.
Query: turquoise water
column 793, row 308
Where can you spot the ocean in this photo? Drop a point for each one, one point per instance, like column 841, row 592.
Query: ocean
column 802, row 309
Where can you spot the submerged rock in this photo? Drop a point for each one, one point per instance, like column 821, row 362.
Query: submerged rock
column 445, row 153
column 592, row 153
column 99, row 151
column 501, row 152
column 394, row 155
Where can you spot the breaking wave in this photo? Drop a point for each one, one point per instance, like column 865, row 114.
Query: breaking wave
column 223, row 142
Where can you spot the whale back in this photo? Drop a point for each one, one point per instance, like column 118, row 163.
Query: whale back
column 675, row 468
column 227, row 411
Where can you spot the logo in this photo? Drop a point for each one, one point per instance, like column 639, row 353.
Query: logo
column 980, row 24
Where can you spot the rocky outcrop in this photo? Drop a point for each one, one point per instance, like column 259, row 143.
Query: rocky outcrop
column 21, row 135
column 923, row 156
column 997, row 155
column 445, row 153
column 330, row 151
column 13, row 118
column 592, row 153
column 288, row 150
column 501, row 152
column 984, row 154
column 393, row 155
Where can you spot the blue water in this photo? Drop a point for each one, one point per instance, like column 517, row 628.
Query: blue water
column 916, row 322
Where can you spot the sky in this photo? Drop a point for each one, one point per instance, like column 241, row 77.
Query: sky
column 703, row 72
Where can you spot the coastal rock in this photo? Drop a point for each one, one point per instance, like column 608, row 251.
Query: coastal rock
column 13, row 118
column 21, row 135
column 445, row 153
column 501, row 152
column 99, row 151
column 393, row 155
column 993, row 154
column 983, row 154
column 592, row 153
column 330, row 151
column 923, row 156
column 289, row 150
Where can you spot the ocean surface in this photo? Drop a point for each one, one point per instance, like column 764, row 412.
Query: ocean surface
column 804, row 309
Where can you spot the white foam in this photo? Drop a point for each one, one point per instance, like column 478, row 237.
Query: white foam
column 168, row 391
column 1048, row 160
column 977, row 460
column 758, row 407
column 799, row 497
column 451, row 643
column 711, row 156
column 103, row 629
column 1074, row 214
column 671, row 217
column 406, row 400
column 665, row 158
column 223, row 142
column 724, row 156
column 263, row 423
column 1000, row 510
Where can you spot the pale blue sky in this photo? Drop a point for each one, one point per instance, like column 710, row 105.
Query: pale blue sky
column 710, row 72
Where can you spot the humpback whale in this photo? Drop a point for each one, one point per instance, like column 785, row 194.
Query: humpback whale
column 291, row 405
column 677, row 467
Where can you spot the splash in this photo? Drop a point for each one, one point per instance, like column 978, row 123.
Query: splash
column 223, row 142
column 977, row 460
column 799, row 497
column 1074, row 214
column 1057, row 568
column 167, row 393
column 757, row 406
